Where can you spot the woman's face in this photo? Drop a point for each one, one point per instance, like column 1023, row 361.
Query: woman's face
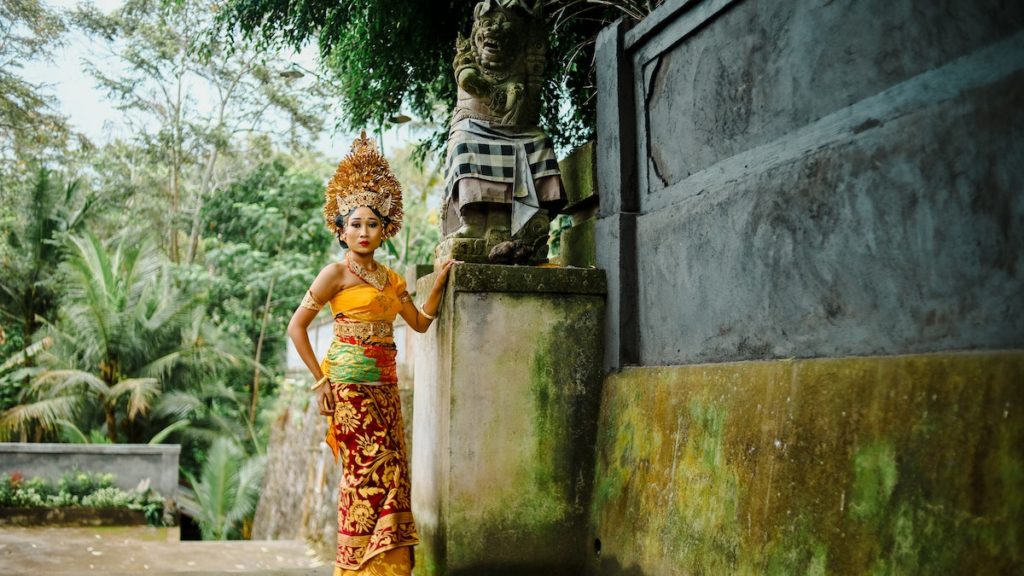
column 363, row 231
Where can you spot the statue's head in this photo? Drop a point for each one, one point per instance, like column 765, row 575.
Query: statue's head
column 499, row 32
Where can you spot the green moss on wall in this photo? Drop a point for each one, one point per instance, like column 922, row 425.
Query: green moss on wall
column 874, row 478
column 578, row 175
column 894, row 465
column 578, row 245
column 533, row 418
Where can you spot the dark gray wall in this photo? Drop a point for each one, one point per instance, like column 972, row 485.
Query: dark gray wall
column 812, row 178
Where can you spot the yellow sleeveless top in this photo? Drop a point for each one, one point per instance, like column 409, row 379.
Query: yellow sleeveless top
column 365, row 303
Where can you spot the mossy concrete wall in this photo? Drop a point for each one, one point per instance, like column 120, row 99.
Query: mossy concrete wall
column 873, row 465
column 577, row 247
column 508, row 384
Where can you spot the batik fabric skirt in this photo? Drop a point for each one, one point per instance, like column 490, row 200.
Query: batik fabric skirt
column 366, row 432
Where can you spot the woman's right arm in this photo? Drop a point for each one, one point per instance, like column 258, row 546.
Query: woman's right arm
column 324, row 287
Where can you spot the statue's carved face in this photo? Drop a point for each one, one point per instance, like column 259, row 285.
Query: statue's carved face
column 498, row 37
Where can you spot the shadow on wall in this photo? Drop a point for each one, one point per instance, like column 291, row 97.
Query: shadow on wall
column 609, row 566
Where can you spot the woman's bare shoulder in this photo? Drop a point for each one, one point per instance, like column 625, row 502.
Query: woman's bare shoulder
column 329, row 280
column 338, row 277
column 332, row 270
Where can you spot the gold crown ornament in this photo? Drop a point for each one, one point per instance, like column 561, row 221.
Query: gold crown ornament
column 363, row 178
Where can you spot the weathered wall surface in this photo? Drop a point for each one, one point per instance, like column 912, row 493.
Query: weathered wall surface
column 818, row 179
column 505, row 416
column 872, row 465
column 810, row 217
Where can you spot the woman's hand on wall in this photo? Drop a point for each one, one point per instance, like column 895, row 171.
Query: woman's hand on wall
column 442, row 274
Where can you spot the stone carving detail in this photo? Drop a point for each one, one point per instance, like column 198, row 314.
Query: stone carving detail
column 501, row 176
column 499, row 68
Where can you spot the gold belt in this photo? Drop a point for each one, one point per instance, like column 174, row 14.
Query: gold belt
column 364, row 330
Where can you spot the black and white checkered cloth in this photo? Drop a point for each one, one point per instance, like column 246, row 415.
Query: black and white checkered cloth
column 478, row 150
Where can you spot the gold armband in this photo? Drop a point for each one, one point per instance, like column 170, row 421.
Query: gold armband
column 309, row 301
column 404, row 297
column 319, row 383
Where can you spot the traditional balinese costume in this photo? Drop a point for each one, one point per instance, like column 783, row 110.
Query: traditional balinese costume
column 375, row 523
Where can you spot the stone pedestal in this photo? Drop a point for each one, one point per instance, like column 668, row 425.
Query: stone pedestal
column 507, row 392
column 474, row 250
column 529, row 248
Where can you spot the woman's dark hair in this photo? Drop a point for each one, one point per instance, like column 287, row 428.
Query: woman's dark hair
column 340, row 222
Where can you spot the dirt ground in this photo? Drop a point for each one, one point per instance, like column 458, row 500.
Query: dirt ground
column 143, row 550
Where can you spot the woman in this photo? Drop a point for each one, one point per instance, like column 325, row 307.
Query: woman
column 356, row 381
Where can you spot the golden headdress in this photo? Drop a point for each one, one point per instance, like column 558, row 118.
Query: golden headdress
column 363, row 178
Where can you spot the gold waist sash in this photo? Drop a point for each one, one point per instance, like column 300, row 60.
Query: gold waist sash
column 363, row 330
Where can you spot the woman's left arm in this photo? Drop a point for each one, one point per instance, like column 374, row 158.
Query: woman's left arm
column 419, row 320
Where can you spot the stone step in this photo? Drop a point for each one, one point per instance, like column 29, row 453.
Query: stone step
column 305, row 572
column 142, row 550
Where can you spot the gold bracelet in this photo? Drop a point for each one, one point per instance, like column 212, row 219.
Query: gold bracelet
column 427, row 316
column 319, row 383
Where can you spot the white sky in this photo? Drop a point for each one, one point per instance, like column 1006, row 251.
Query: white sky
column 90, row 114
column 77, row 97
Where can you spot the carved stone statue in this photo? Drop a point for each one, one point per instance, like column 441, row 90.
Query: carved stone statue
column 501, row 176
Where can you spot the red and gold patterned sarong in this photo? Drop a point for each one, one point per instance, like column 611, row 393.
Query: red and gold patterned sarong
column 367, row 433
column 396, row 562
column 375, row 525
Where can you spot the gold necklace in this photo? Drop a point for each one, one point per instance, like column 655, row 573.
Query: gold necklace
column 376, row 278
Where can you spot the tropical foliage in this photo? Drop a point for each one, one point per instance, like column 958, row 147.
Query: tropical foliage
column 29, row 123
column 122, row 330
column 188, row 98
column 227, row 490
column 384, row 56
column 49, row 208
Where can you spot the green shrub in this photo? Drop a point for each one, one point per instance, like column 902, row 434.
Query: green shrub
column 81, row 484
column 6, row 491
column 79, row 489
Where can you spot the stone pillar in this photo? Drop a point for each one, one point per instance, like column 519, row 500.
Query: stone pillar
column 507, row 393
column 616, row 172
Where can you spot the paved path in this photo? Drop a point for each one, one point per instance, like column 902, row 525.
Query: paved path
column 142, row 550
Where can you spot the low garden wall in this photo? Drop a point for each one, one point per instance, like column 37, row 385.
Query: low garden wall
column 129, row 463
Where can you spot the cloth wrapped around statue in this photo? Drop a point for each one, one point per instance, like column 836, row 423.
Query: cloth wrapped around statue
column 500, row 165
column 375, row 523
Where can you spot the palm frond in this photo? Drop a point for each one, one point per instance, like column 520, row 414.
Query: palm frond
column 59, row 382
column 74, row 432
column 250, row 476
column 46, row 413
column 160, row 367
column 91, row 293
column 141, row 392
column 177, row 404
column 215, row 489
column 167, row 431
column 201, row 434
column 22, row 356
